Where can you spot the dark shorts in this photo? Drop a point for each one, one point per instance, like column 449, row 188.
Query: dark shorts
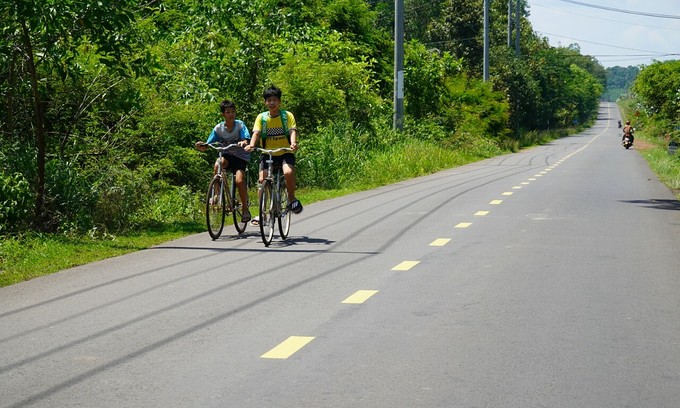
column 234, row 163
column 288, row 158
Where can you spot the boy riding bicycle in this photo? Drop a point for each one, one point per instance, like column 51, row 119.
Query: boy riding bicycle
column 231, row 131
column 276, row 128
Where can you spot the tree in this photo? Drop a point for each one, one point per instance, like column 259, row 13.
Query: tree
column 658, row 87
column 48, row 35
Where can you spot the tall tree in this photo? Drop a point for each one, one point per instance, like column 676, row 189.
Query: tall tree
column 48, row 34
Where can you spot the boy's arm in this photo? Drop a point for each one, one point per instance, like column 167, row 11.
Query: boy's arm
column 244, row 135
column 212, row 138
column 254, row 140
column 293, row 139
column 292, row 130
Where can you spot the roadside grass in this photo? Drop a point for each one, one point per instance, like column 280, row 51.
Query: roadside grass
column 32, row 255
column 663, row 164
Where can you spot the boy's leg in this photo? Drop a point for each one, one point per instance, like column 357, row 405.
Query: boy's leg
column 243, row 193
column 289, row 174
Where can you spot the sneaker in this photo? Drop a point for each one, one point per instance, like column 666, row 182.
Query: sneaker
column 245, row 217
column 255, row 221
column 296, row 206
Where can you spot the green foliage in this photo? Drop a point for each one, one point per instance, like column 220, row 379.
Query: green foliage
column 658, row 88
column 426, row 74
column 15, row 202
column 70, row 197
column 319, row 92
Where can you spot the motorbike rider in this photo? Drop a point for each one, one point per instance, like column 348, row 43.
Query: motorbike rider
column 628, row 131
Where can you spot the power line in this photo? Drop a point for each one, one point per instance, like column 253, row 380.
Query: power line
column 608, row 19
column 638, row 13
column 606, row 45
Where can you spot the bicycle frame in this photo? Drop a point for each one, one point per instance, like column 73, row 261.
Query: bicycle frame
column 216, row 211
column 272, row 185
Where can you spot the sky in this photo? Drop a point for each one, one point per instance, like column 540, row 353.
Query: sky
column 625, row 36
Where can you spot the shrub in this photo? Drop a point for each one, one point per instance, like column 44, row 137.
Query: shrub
column 16, row 201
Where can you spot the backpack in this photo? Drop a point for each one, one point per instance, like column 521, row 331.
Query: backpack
column 284, row 122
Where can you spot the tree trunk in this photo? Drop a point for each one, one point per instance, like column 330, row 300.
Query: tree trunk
column 38, row 220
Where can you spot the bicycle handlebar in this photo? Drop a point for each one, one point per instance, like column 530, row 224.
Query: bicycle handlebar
column 272, row 151
column 218, row 146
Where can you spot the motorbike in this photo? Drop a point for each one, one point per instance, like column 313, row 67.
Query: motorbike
column 626, row 141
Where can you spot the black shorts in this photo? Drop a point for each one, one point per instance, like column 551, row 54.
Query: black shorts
column 234, row 163
column 288, row 158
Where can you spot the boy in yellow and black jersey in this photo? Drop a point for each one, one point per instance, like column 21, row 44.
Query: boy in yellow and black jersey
column 274, row 129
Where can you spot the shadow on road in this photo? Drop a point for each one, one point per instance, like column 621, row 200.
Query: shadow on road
column 664, row 204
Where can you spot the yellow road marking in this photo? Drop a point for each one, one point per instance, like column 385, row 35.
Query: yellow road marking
column 516, row 187
column 507, row 193
column 360, row 296
column 440, row 242
column 405, row 266
column 481, row 213
column 463, row 225
column 495, row 202
column 289, row 347
column 526, row 183
column 538, row 175
column 532, row 179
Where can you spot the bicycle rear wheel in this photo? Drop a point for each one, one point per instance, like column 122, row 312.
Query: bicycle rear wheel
column 238, row 206
column 284, row 212
column 215, row 208
column 267, row 218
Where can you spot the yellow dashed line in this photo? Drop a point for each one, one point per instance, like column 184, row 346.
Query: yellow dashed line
column 525, row 183
column 532, row 179
column 289, row 347
column 440, row 242
column 495, row 202
column 507, row 193
column 463, row 225
column 516, row 187
column 360, row 296
column 405, row 266
column 481, row 213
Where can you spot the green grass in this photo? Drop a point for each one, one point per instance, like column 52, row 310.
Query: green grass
column 29, row 256
column 665, row 166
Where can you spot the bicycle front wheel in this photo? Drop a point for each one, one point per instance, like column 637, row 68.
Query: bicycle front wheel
column 238, row 206
column 284, row 212
column 267, row 219
column 215, row 208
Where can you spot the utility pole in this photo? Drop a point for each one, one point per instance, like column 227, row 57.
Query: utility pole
column 398, row 65
column 509, row 23
column 517, row 29
column 486, row 40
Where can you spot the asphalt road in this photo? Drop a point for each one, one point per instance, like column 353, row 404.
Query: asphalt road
column 546, row 278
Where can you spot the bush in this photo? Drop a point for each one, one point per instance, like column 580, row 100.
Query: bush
column 69, row 197
column 16, row 201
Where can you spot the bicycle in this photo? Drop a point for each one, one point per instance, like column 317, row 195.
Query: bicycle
column 223, row 198
column 273, row 200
